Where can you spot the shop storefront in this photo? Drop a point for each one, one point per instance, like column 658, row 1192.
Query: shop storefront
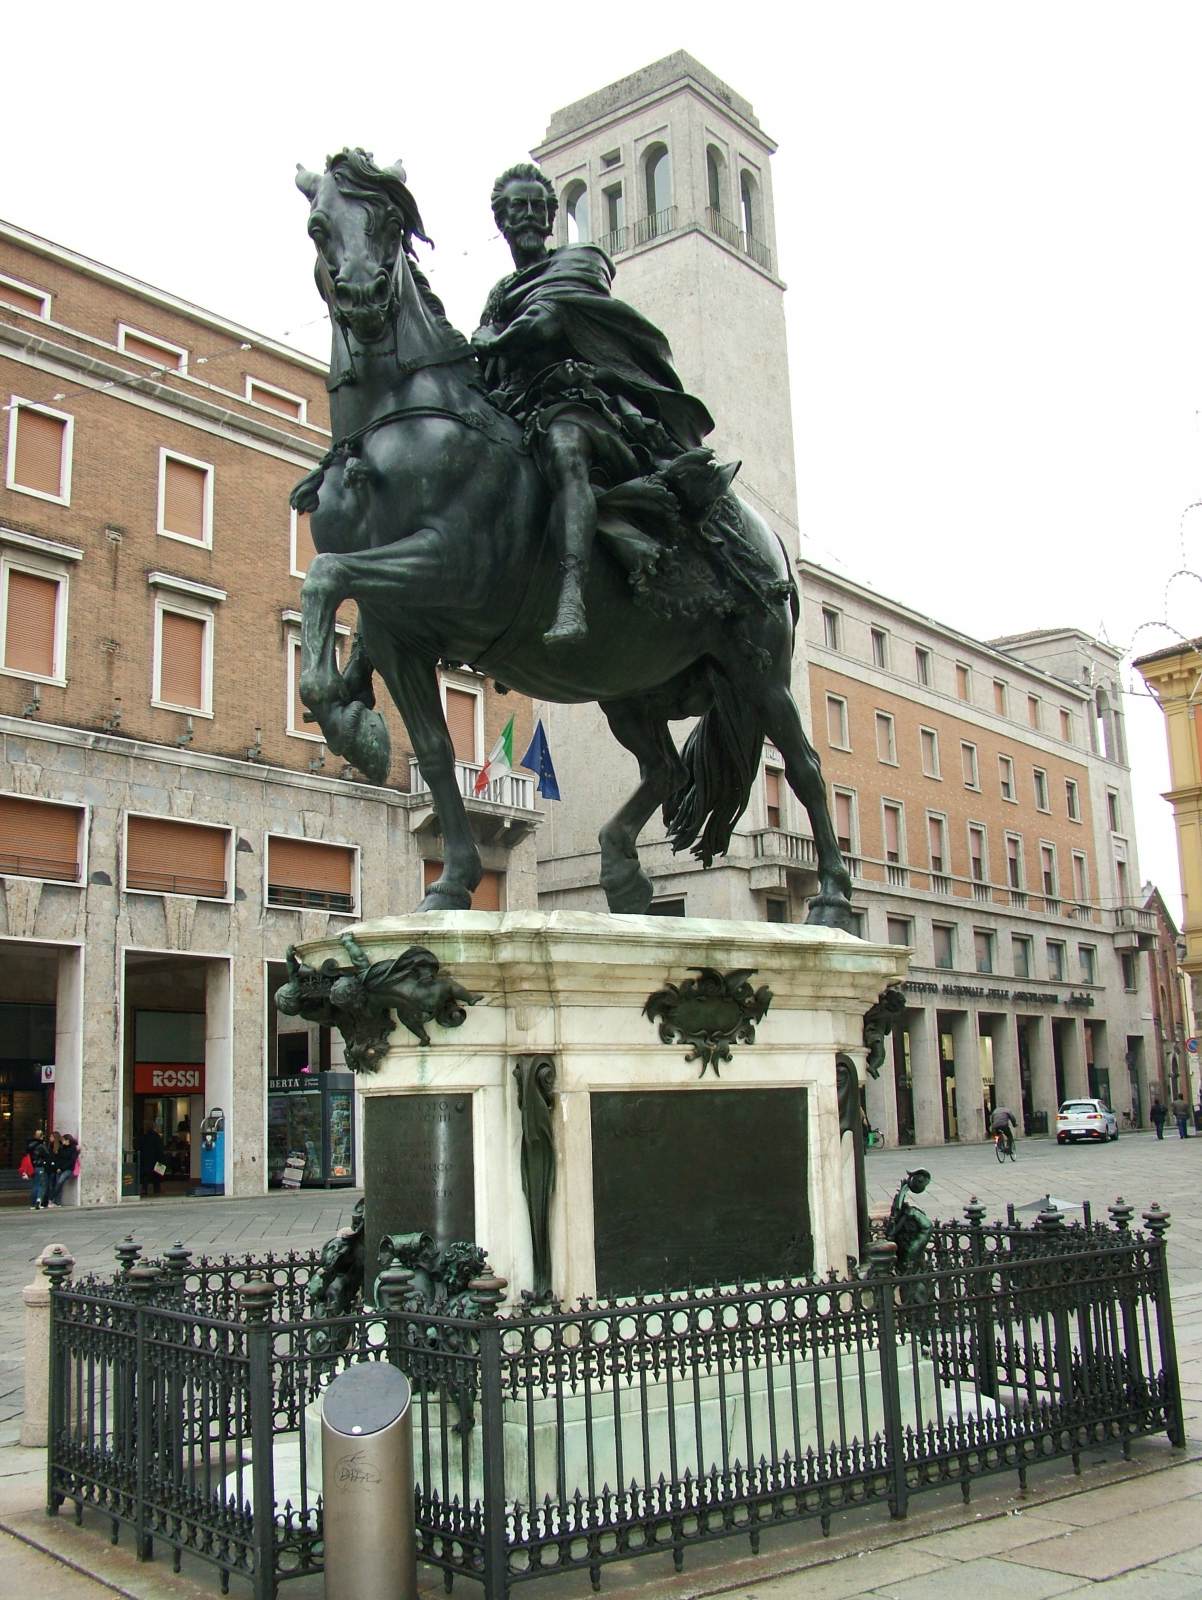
column 311, row 1130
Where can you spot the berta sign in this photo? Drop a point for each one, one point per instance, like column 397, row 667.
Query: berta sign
column 150, row 1078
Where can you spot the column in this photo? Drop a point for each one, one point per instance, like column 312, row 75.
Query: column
column 1043, row 1067
column 880, row 1096
column 926, row 1077
column 68, row 1052
column 1006, row 1081
column 219, row 1056
column 1072, row 1045
column 970, row 1109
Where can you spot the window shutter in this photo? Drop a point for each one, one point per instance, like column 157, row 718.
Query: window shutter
column 181, row 665
column 32, row 304
column 461, row 723
column 274, row 402
column 38, row 840
column 184, row 499
column 176, row 857
column 38, row 459
column 772, row 796
column 488, row 891
column 892, row 830
column 304, row 542
column 151, row 350
column 29, row 623
column 843, row 820
column 305, row 872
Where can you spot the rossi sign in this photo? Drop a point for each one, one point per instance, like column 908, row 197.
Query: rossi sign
column 152, row 1079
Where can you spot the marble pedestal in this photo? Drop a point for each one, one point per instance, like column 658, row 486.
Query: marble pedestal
column 571, row 986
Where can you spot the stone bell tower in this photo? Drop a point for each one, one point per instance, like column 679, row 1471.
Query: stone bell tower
column 668, row 171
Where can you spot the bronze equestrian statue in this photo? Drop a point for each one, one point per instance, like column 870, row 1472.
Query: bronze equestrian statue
column 538, row 505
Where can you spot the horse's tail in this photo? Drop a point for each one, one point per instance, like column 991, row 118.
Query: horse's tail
column 721, row 758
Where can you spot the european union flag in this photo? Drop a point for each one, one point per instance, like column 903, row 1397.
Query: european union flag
column 538, row 759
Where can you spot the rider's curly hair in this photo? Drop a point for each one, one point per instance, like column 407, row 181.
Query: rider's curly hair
column 523, row 172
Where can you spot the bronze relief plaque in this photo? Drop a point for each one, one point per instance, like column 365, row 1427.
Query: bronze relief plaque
column 699, row 1187
column 418, row 1170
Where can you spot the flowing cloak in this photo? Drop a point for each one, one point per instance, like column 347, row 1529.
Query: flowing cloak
column 630, row 354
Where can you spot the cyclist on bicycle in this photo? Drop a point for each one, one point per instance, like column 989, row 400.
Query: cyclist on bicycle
column 1002, row 1125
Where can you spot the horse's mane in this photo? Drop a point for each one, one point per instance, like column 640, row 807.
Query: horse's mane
column 359, row 178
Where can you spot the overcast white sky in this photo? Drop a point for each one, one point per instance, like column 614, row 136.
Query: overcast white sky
column 987, row 214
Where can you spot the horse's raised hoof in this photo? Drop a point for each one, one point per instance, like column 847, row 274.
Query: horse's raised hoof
column 830, row 911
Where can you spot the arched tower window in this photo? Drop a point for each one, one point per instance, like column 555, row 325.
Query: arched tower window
column 749, row 200
column 715, row 174
column 575, row 205
column 657, row 169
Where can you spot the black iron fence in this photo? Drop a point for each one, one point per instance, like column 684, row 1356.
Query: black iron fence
column 185, row 1399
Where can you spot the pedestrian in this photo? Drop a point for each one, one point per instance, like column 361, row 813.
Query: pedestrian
column 38, row 1152
column 1181, row 1112
column 152, row 1159
column 1198, row 1114
column 1158, row 1112
column 66, row 1166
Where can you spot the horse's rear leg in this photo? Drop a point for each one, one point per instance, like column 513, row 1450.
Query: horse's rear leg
column 413, row 684
column 645, row 734
column 830, row 907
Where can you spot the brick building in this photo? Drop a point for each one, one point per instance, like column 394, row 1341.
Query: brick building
column 169, row 824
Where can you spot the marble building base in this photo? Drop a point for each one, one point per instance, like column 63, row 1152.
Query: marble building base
column 571, row 986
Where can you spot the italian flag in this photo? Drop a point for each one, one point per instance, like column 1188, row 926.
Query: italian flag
column 500, row 760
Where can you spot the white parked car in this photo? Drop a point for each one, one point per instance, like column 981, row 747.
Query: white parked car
column 1085, row 1119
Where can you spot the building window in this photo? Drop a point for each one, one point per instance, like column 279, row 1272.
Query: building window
column 978, row 858
column 900, row 930
column 183, row 658
column 963, row 681
column 33, row 618
column 880, row 647
column 305, row 875
column 749, row 198
column 845, row 821
column 1089, row 963
column 1005, row 768
column 1034, row 714
column 1122, row 875
column 772, row 789
column 1020, row 947
column 1047, row 871
column 615, row 215
column 657, row 172
column 1072, row 799
column 928, row 740
column 296, row 724
column 163, row 856
column 611, row 158
column 1041, row 789
column 575, row 206
column 922, row 665
column 836, row 722
column 715, row 178
column 982, row 941
column 464, row 710
column 489, row 893
column 39, row 451
column 273, row 399
column 886, row 743
column 40, row 839
column 968, row 765
column 775, row 909
column 1056, row 960
column 300, row 544
column 145, row 347
column 1066, row 725
column 1130, row 970
column 830, row 628
column 944, row 935
column 1080, row 878
column 185, row 499
column 1014, row 861
column 895, row 835
column 1113, row 814
column 999, row 697
column 937, row 847
column 858, row 921
column 24, row 297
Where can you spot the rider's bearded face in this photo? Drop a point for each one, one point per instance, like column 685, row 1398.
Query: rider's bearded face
column 526, row 216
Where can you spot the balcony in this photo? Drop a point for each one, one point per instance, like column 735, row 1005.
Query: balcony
column 505, row 811
column 655, row 225
column 783, row 861
column 615, row 242
column 1134, row 928
column 737, row 239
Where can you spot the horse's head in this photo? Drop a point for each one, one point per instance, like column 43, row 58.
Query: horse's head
column 362, row 220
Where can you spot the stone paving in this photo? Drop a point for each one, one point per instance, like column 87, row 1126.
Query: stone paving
column 1120, row 1531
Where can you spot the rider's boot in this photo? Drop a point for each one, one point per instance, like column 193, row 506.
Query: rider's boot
column 570, row 625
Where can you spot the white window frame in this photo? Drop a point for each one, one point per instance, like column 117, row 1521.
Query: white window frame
column 1005, row 779
column 1028, row 944
column 294, row 567
column 885, row 716
column 951, row 929
column 293, row 643
column 1057, row 944
column 1093, row 955
column 1056, row 893
column 282, row 394
column 945, row 871
column 990, row 937
column 924, row 675
column 776, row 766
column 85, row 834
column 15, row 406
column 975, row 784
column 1021, row 886
column 876, row 633
column 833, row 611
column 937, row 772
column 6, row 280
column 979, row 827
column 965, row 667
column 182, row 606
column 1080, row 856
column 1066, row 714
column 231, row 846
column 1035, row 713
column 908, row 941
column 1002, row 710
column 890, row 802
column 1036, row 774
column 339, row 844
column 853, row 797
column 841, row 701
column 1114, row 811
column 124, row 328
column 1072, row 799
column 466, row 686
column 24, row 552
column 165, row 455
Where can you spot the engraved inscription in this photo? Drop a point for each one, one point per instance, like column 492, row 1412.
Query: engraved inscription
column 418, row 1167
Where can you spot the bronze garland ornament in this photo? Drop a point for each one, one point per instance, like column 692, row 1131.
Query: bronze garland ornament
column 710, row 1013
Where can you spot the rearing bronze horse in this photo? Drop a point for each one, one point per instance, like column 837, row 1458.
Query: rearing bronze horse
column 431, row 516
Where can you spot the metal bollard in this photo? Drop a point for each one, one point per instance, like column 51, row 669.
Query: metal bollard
column 367, row 1485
